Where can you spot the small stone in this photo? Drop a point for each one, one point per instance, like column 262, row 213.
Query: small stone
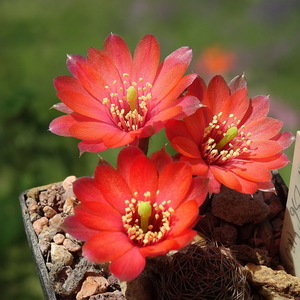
column 44, row 246
column 277, row 224
column 56, row 222
column 263, row 237
column 59, row 238
column 68, row 182
column 71, row 246
column 234, row 207
column 49, row 212
column 207, row 223
column 253, row 255
column 277, row 282
column 34, row 216
column 59, row 254
column 47, row 233
column 226, row 234
column 39, row 224
column 275, row 207
column 32, row 205
column 69, row 205
column 33, row 193
column 91, row 286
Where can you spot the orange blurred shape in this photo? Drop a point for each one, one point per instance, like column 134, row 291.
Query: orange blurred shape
column 216, row 60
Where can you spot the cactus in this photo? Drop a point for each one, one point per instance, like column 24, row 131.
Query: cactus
column 200, row 271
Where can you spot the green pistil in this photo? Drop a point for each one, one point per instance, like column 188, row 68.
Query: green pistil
column 145, row 211
column 229, row 135
column 131, row 97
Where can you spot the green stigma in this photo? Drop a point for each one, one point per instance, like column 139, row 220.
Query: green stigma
column 145, row 211
column 229, row 135
column 131, row 97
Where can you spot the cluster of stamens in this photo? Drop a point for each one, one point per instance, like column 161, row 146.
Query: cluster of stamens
column 224, row 140
column 147, row 223
column 127, row 102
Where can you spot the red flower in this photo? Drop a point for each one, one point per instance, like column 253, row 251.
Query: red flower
column 230, row 139
column 114, row 99
column 146, row 207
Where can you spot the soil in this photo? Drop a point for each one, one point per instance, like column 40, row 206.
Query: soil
column 242, row 229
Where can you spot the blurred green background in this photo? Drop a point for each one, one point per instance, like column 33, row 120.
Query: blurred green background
column 36, row 35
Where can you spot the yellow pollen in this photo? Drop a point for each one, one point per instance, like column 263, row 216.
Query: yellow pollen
column 231, row 133
column 145, row 211
column 131, row 97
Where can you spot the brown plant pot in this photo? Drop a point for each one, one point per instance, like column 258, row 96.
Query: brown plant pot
column 32, row 238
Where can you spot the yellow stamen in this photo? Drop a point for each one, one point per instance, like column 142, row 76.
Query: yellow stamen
column 145, row 211
column 229, row 135
column 131, row 96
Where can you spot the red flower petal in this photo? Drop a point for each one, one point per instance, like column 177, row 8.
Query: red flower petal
column 171, row 71
column 143, row 177
column 172, row 187
column 68, row 83
column 285, row 139
column 265, row 128
column 274, row 162
column 197, row 88
column 266, row 186
column 86, row 190
column 250, row 170
column 185, row 147
column 238, row 82
column 146, row 59
column 84, row 105
column 238, row 103
column 185, row 238
column 185, row 216
column 61, row 125
column 76, row 229
column 234, row 181
column 91, row 146
column 188, row 104
column 161, row 158
column 103, row 67
column 198, row 189
column 113, row 187
column 91, row 130
column 177, row 128
column 125, row 160
column 106, row 246
column 217, row 94
column 170, row 98
column 151, row 128
column 62, row 108
column 166, row 114
column 116, row 48
column 99, row 216
column 117, row 138
column 261, row 148
column 259, row 109
column 160, row 248
column 72, row 60
column 129, row 265
column 195, row 125
column 226, row 177
column 199, row 166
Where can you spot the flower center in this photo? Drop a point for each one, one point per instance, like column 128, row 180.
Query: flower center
column 127, row 102
column 147, row 223
column 224, row 140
